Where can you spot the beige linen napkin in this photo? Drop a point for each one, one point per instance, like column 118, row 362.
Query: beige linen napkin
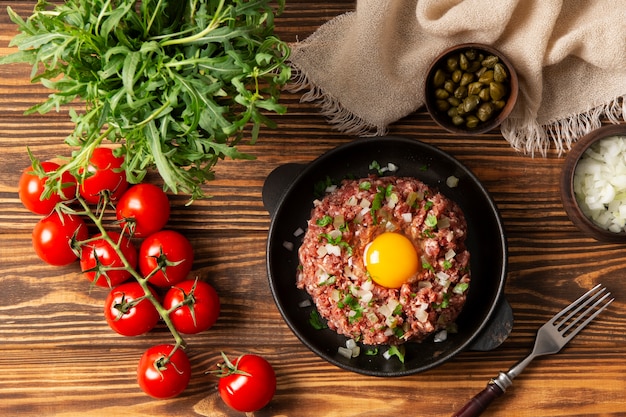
column 366, row 68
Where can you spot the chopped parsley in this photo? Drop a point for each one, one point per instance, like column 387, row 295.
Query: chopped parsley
column 365, row 186
column 324, row 221
column 316, row 321
column 398, row 351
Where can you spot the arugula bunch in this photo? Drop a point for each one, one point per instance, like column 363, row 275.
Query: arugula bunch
column 177, row 83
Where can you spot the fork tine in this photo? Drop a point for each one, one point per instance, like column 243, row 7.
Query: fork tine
column 593, row 309
column 576, row 306
column 575, row 331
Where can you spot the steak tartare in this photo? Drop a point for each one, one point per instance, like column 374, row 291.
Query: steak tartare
column 361, row 304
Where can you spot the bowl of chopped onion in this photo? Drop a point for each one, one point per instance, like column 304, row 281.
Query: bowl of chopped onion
column 593, row 184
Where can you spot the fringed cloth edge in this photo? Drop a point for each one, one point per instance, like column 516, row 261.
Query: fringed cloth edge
column 337, row 115
column 528, row 136
column 524, row 134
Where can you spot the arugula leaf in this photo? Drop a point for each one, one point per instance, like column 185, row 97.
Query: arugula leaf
column 177, row 83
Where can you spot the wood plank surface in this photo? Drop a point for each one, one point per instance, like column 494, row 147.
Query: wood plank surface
column 59, row 358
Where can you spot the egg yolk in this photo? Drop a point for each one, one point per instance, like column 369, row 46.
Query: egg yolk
column 391, row 259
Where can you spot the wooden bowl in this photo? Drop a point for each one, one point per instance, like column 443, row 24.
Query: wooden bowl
column 441, row 112
column 568, row 195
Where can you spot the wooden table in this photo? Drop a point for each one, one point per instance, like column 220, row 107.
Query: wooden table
column 58, row 356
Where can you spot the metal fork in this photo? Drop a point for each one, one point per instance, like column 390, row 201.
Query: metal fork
column 551, row 337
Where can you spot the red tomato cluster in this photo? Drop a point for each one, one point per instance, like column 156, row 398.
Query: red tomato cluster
column 161, row 258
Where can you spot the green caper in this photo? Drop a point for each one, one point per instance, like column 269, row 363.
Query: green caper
column 453, row 111
column 439, row 78
column 454, row 101
column 499, row 104
column 471, row 122
column 458, row 120
column 452, row 63
column 490, row 61
column 486, row 77
column 479, row 73
column 442, row 105
column 467, row 78
column 499, row 73
column 449, row 86
column 484, row 94
column 485, row 111
column 460, row 92
column 463, row 61
column 497, row 91
column 474, row 88
column 456, row 76
column 471, row 54
column 442, row 94
column 473, row 67
column 470, row 103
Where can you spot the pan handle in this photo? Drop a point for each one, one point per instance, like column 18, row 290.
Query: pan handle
column 497, row 330
column 277, row 183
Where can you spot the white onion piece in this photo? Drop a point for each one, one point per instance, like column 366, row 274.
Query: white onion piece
column 600, row 183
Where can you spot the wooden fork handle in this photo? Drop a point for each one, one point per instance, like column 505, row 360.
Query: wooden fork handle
column 481, row 401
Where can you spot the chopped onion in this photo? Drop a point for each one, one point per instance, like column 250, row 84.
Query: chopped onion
column 441, row 336
column 298, row 232
column 288, row 245
column 452, row 181
column 600, row 183
column 407, row 217
column 345, row 352
column 304, row 303
column 333, row 249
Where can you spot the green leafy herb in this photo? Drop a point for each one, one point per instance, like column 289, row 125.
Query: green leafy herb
column 375, row 166
column 431, row 220
column 398, row 351
column 460, row 288
column 324, row 221
column 316, row 321
column 176, row 83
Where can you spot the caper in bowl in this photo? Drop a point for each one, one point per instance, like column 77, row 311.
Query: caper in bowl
column 470, row 88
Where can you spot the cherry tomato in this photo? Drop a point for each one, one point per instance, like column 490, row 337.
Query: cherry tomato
column 98, row 255
column 171, row 253
column 161, row 377
column 128, row 312
column 32, row 186
column 104, row 173
column 147, row 205
column 56, row 236
column 199, row 306
column 248, row 384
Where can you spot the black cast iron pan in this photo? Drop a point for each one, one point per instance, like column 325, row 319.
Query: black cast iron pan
column 288, row 195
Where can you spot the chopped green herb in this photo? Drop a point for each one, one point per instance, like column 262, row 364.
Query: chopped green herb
column 445, row 303
column 428, row 205
column 398, row 351
column 374, row 165
column 324, row 221
column 460, row 288
column 431, row 220
column 426, row 265
column 316, row 321
column 319, row 189
column 371, row 351
column 447, row 264
column 365, row 186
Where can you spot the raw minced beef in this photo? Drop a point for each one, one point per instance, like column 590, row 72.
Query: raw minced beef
column 332, row 268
